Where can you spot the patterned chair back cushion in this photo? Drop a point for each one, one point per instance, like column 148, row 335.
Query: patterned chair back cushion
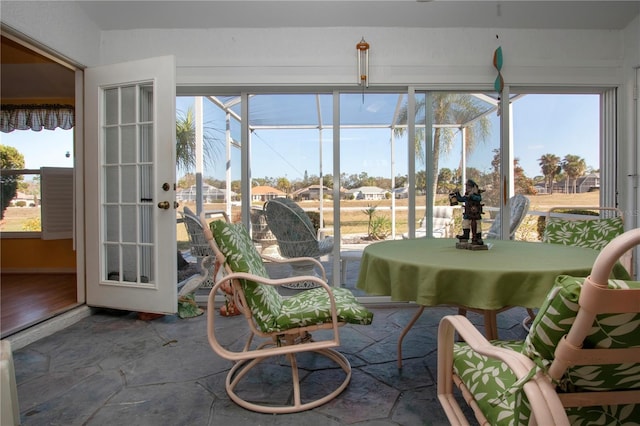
column 292, row 227
column 241, row 255
column 609, row 331
column 595, row 233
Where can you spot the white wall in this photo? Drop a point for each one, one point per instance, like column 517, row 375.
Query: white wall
column 399, row 56
column 60, row 26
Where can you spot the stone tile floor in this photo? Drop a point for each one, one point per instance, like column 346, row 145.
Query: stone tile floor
column 112, row 368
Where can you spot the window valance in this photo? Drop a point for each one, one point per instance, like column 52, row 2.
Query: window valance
column 36, row 117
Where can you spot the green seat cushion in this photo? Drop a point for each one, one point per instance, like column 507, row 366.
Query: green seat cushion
column 313, row 307
column 609, row 331
column 271, row 312
column 594, row 234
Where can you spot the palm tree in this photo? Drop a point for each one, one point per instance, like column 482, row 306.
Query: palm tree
column 550, row 165
column 574, row 167
column 448, row 108
column 186, row 142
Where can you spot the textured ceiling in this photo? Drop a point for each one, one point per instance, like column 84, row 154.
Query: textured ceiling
column 119, row 15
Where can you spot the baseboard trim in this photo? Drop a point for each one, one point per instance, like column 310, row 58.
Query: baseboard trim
column 48, row 327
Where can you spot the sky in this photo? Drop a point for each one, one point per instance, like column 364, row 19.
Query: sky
column 557, row 124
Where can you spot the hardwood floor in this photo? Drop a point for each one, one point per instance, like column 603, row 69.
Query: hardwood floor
column 27, row 299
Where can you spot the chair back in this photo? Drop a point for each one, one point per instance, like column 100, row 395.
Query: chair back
column 197, row 241
column 292, row 227
column 442, row 222
column 518, row 208
column 587, row 333
column 591, row 227
column 235, row 250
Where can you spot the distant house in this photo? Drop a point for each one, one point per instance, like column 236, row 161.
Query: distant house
column 367, row 193
column 401, row 192
column 586, row 183
column 311, row 192
column 29, row 200
column 264, row 193
column 210, row 194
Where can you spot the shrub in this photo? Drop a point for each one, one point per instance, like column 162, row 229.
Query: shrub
column 32, row 225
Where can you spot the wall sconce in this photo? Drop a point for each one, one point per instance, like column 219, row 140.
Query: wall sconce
column 363, row 63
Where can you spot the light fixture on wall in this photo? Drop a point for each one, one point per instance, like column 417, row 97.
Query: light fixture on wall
column 362, row 49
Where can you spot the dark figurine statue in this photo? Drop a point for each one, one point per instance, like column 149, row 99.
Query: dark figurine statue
column 472, row 214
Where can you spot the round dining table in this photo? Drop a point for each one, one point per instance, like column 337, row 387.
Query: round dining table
column 431, row 271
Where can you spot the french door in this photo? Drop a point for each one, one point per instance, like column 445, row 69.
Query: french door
column 130, row 185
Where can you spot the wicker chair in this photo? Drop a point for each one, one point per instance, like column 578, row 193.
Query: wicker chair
column 283, row 324
column 296, row 237
column 578, row 365
column 518, row 208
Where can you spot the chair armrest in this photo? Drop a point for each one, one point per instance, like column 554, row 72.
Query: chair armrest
column 261, row 351
column 290, row 260
column 545, row 404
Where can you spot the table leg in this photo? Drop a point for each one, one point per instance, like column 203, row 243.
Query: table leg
column 405, row 331
column 490, row 324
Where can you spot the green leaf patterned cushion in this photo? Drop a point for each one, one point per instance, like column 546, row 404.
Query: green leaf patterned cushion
column 609, row 331
column 313, row 307
column 593, row 234
column 488, row 379
column 235, row 244
column 271, row 312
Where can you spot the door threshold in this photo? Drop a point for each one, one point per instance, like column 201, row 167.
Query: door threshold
column 48, row 327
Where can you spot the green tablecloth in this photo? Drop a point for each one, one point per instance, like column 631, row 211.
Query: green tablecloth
column 433, row 272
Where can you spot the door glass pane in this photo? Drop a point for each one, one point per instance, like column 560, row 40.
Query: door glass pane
column 128, row 96
column 129, row 223
column 466, row 139
column 130, row 262
column 373, row 155
column 111, row 107
column 146, row 103
column 146, row 143
column 112, row 219
column 112, row 179
column 556, row 140
column 112, row 262
column 291, row 152
column 221, row 157
column 146, row 264
column 128, row 184
column 129, row 145
column 112, row 145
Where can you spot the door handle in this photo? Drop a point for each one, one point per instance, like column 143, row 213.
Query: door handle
column 164, row 205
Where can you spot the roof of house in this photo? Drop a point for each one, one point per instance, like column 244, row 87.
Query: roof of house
column 266, row 190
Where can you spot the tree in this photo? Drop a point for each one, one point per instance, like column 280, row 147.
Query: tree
column 284, row 185
column 574, row 167
column 10, row 159
column 550, row 166
column 186, row 142
column 187, row 181
column 448, row 108
column 445, row 181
